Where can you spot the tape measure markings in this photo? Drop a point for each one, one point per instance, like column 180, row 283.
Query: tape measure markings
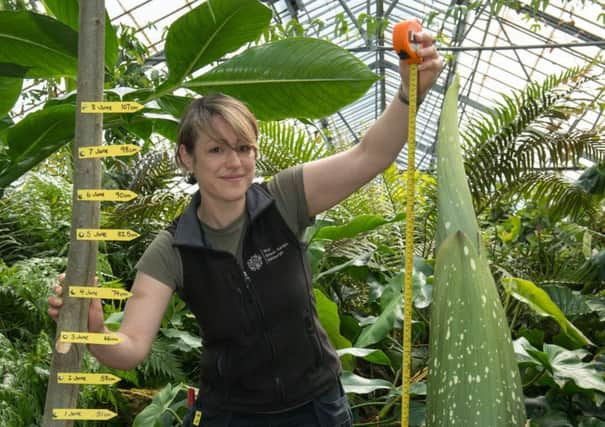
column 409, row 244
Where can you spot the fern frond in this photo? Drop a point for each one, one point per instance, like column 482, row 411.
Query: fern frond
column 281, row 145
column 526, row 131
column 562, row 197
column 162, row 364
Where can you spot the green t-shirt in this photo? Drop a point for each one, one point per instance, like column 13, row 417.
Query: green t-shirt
column 162, row 260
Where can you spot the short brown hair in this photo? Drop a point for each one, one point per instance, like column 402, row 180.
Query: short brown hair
column 197, row 120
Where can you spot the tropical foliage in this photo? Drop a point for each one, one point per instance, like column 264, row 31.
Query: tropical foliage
column 542, row 236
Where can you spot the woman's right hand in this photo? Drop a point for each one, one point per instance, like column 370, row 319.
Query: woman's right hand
column 96, row 319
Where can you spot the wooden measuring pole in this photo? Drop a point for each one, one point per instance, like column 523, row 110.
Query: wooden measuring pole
column 81, row 263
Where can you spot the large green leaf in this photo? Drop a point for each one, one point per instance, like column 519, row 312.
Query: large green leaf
column 571, row 303
column 563, row 365
column 10, row 85
column 47, row 47
column 473, row 374
column 539, row 301
column 391, row 303
column 5, row 122
column 359, row 385
column 382, row 326
column 174, row 105
column 68, row 12
column 184, row 341
column 304, row 78
column 161, row 405
column 10, row 89
column 359, row 224
column 327, row 311
column 210, row 31
column 34, row 138
column 360, row 261
column 370, row 354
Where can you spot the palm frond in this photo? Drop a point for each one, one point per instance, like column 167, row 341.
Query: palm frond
column 153, row 170
column 281, row 145
column 562, row 197
column 527, row 131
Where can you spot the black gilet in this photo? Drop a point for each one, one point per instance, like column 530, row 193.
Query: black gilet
column 264, row 348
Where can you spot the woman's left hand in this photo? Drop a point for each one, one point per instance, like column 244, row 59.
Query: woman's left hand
column 428, row 69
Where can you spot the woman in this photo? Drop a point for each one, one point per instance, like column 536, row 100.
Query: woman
column 235, row 257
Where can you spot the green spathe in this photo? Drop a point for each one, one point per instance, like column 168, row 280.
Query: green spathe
column 473, row 374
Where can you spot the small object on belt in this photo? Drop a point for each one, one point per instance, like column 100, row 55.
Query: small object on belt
column 191, row 396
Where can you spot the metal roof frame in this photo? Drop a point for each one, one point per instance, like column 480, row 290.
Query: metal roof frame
column 492, row 55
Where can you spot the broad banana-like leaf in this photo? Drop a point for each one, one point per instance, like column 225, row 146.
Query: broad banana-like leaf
column 68, row 12
column 303, row 78
column 34, row 138
column 45, row 46
column 10, row 89
column 210, row 31
column 391, row 303
column 166, row 401
column 541, row 303
column 359, row 385
column 359, row 224
column 473, row 374
column 372, row 355
column 327, row 310
column 174, row 105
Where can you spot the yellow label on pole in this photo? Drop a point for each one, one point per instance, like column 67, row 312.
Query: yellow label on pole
column 79, row 378
column 110, row 107
column 96, row 151
column 89, row 338
column 83, row 414
column 106, row 195
column 105, row 234
column 96, row 292
column 197, row 418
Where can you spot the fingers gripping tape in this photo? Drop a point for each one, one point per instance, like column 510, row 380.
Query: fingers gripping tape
column 403, row 41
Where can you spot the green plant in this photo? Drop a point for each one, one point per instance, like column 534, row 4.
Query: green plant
column 34, row 218
column 473, row 375
column 195, row 40
column 508, row 152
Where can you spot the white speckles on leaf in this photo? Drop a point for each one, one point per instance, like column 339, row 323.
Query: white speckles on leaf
column 474, row 374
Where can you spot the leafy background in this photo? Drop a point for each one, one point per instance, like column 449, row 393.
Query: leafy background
column 543, row 235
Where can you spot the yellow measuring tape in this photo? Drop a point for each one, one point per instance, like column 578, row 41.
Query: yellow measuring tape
column 409, row 250
column 404, row 45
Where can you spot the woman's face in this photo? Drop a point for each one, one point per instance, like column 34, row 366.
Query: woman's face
column 224, row 169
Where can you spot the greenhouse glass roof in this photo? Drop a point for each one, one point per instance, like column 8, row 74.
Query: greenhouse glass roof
column 493, row 55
